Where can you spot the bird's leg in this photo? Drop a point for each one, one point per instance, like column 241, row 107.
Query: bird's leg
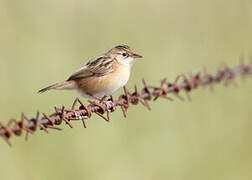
column 102, row 100
column 106, row 102
column 95, row 97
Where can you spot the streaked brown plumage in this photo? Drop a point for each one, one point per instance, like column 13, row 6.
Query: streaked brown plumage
column 101, row 76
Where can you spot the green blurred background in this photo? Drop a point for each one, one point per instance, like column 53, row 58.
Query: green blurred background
column 42, row 42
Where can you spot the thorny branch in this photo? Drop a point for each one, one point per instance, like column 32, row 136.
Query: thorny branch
column 104, row 108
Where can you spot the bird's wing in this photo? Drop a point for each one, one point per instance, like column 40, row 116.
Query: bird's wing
column 99, row 66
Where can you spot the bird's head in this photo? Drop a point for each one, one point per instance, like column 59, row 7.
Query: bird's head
column 123, row 54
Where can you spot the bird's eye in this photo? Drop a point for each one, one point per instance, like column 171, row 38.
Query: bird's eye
column 124, row 54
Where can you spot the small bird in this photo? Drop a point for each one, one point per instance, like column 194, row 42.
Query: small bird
column 101, row 76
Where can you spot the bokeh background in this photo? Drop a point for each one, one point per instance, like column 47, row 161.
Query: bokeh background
column 42, row 42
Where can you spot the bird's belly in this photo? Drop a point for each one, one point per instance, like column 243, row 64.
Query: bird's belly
column 105, row 85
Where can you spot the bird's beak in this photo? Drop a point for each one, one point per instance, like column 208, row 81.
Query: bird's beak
column 137, row 56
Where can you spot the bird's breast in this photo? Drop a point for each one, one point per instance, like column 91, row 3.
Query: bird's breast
column 107, row 84
column 117, row 79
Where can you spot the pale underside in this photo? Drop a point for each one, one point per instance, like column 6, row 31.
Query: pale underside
column 103, row 83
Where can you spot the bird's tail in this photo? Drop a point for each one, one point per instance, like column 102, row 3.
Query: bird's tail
column 65, row 85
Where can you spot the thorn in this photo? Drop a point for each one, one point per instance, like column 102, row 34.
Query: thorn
column 99, row 114
column 6, row 140
column 53, row 127
column 84, row 123
column 64, row 119
column 165, row 97
column 49, row 119
column 108, row 116
column 124, row 111
column 147, row 105
column 126, row 92
column 43, row 127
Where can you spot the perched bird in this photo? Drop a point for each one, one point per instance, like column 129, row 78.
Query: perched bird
column 101, row 76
